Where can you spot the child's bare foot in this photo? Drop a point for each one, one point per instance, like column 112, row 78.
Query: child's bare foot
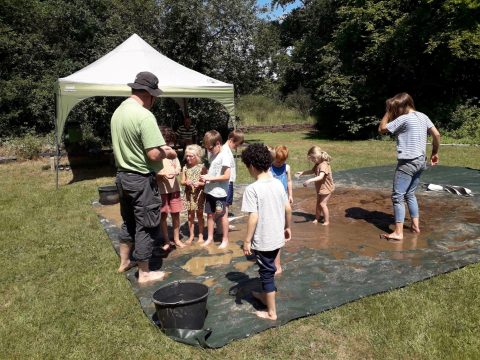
column 179, row 244
column 151, row 276
column 223, row 245
column 326, row 223
column 265, row 315
column 415, row 229
column 200, row 239
column 189, row 241
column 206, row 243
column 392, row 236
column 259, row 296
column 315, row 221
column 127, row 266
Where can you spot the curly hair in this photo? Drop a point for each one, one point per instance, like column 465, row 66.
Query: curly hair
column 258, row 156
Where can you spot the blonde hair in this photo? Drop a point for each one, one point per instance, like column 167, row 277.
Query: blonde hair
column 196, row 150
column 281, row 153
column 318, row 154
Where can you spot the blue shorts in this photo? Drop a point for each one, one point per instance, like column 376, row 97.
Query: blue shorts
column 230, row 194
column 266, row 265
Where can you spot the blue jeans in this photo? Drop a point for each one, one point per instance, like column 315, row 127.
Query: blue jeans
column 404, row 186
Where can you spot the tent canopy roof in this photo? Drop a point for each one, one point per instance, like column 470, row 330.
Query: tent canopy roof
column 109, row 75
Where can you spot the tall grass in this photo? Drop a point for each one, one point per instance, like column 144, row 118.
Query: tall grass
column 261, row 110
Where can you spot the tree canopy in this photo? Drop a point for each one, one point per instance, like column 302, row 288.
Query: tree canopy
column 353, row 55
column 339, row 59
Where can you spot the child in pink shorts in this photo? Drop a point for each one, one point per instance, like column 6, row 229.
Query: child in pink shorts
column 169, row 188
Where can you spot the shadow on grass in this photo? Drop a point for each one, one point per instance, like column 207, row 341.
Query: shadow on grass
column 379, row 219
column 314, row 134
column 91, row 167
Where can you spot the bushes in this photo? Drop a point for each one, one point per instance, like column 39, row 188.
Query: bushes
column 466, row 121
column 27, row 147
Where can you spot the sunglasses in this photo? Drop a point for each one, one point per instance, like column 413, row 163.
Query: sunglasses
column 210, row 148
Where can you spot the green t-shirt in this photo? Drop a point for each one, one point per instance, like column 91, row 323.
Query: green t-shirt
column 134, row 129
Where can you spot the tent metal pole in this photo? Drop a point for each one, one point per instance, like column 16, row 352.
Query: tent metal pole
column 57, row 148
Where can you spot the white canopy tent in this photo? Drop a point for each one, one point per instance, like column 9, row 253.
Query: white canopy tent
column 109, row 75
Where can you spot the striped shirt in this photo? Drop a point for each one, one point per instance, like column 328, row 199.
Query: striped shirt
column 186, row 134
column 411, row 132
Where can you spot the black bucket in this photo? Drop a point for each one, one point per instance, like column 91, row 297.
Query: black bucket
column 181, row 305
column 108, row 195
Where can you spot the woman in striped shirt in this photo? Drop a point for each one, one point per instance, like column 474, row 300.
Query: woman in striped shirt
column 410, row 128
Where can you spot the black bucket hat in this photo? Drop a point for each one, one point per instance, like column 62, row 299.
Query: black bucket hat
column 145, row 80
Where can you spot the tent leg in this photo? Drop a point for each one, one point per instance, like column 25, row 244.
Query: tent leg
column 57, row 152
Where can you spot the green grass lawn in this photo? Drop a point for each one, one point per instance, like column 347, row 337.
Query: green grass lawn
column 60, row 296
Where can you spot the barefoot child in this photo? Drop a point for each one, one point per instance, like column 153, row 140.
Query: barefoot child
column 281, row 171
column 269, row 217
column 194, row 196
column 216, row 186
column 235, row 139
column 169, row 189
column 323, row 181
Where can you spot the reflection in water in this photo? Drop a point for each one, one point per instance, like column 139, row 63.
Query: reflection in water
column 198, row 264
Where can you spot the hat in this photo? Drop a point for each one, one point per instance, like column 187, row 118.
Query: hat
column 145, row 80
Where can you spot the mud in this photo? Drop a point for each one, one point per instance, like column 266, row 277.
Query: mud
column 357, row 217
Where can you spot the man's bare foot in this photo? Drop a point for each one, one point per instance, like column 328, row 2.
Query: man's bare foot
column 206, row 243
column 166, row 247
column 326, row 223
column 127, row 266
column 259, row 296
column 392, row 236
column 265, row 315
column 179, row 244
column 223, row 245
column 151, row 276
column 200, row 239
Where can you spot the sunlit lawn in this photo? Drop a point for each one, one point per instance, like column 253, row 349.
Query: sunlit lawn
column 60, row 296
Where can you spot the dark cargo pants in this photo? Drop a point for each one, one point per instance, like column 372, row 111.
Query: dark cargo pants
column 140, row 205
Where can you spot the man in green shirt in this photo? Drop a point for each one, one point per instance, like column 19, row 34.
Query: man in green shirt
column 139, row 147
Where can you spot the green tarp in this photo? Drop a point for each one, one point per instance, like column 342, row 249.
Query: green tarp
column 326, row 266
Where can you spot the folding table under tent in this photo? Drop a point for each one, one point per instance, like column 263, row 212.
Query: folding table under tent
column 109, row 75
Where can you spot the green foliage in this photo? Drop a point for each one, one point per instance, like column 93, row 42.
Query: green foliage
column 357, row 54
column 42, row 40
column 300, row 100
column 27, row 147
column 466, row 122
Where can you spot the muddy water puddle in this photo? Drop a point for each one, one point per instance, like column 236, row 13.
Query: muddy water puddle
column 357, row 217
